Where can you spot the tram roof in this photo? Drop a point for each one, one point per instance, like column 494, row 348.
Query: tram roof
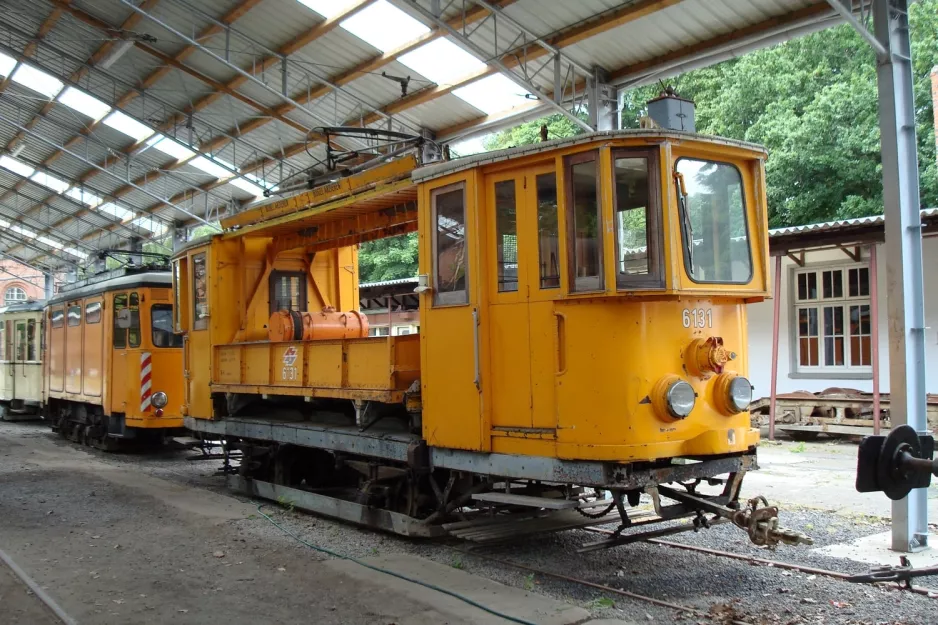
column 437, row 170
column 112, row 281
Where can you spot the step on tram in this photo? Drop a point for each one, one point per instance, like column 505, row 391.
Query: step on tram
column 583, row 339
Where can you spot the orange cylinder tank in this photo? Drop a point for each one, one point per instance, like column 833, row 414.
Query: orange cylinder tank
column 290, row 325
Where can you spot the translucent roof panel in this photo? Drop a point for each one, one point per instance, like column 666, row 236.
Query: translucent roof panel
column 49, row 181
column 493, row 94
column 148, row 222
column 17, row 167
column 75, row 253
column 384, row 26
column 249, row 187
column 442, row 61
column 37, row 80
column 83, row 103
column 49, row 242
column 127, row 125
column 211, row 167
column 115, row 211
column 7, row 63
column 24, row 231
column 327, row 8
column 83, row 196
column 169, row 147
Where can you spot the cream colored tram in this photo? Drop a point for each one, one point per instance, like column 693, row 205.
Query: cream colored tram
column 20, row 361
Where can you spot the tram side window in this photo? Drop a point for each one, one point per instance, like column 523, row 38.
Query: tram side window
column 74, row 316
column 58, row 319
column 161, row 321
column 31, row 351
column 506, row 236
column 120, row 326
column 93, row 312
column 713, row 222
column 636, row 219
column 584, row 229
column 287, row 291
column 450, row 256
column 21, row 340
column 548, row 231
column 200, row 292
column 133, row 332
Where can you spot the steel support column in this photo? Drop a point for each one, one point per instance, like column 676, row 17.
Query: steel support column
column 776, row 311
column 905, row 299
column 49, row 288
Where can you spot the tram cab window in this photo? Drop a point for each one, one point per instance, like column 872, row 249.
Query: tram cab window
column 450, row 260
column 287, row 291
column 584, row 218
column 713, row 222
column 548, row 231
column 161, row 320
column 635, row 205
column 126, row 320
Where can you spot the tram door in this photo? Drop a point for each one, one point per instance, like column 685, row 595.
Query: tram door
column 524, row 277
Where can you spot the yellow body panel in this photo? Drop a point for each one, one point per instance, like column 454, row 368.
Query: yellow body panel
column 85, row 366
column 568, row 374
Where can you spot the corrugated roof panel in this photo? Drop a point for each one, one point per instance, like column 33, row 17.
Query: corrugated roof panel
column 444, row 111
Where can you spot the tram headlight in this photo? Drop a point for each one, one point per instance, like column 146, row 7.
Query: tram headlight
column 732, row 393
column 159, row 399
column 673, row 398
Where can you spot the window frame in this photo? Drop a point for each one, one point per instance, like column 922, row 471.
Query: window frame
column 100, row 312
column 586, row 284
column 177, row 337
column 748, row 228
column 115, row 330
column 819, row 303
column 448, row 298
column 654, row 279
column 68, row 316
column 60, row 312
column 272, row 281
column 200, row 323
column 7, row 301
column 537, row 232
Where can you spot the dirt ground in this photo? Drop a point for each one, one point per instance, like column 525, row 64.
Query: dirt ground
column 160, row 552
column 20, row 605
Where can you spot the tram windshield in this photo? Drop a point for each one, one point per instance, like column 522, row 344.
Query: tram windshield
column 713, row 222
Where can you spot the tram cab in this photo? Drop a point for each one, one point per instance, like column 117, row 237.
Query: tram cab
column 586, row 298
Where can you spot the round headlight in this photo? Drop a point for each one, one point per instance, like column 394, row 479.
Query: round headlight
column 159, row 399
column 680, row 398
column 739, row 393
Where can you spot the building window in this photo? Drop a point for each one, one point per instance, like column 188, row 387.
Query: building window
column 833, row 326
column 13, row 295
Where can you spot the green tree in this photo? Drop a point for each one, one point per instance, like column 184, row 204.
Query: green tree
column 813, row 103
column 388, row 259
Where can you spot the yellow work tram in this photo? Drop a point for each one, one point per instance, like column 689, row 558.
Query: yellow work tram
column 582, row 339
column 112, row 363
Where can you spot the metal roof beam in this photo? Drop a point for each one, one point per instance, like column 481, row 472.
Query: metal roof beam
column 48, row 229
column 280, row 94
column 861, row 24
column 53, row 144
column 494, row 62
column 133, row 148
column 23, row 242
column 44, row 269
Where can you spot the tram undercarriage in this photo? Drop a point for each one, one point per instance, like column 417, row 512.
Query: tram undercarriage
column 388, row 479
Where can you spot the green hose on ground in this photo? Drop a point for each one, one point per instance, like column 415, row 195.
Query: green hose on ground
column 334, row 554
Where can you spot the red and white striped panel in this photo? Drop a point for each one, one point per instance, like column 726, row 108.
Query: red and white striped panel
column 146, row 369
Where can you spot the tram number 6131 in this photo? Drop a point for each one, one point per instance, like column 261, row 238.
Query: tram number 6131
column 697, row 318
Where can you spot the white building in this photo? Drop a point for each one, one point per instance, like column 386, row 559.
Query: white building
column 825, row 313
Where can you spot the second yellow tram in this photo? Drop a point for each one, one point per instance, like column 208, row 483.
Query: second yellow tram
column 583, row 336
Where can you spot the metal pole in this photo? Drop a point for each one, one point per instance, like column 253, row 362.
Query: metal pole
column 49, row 288
column 874, row 335
column 776, row 308
column 905, row 298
